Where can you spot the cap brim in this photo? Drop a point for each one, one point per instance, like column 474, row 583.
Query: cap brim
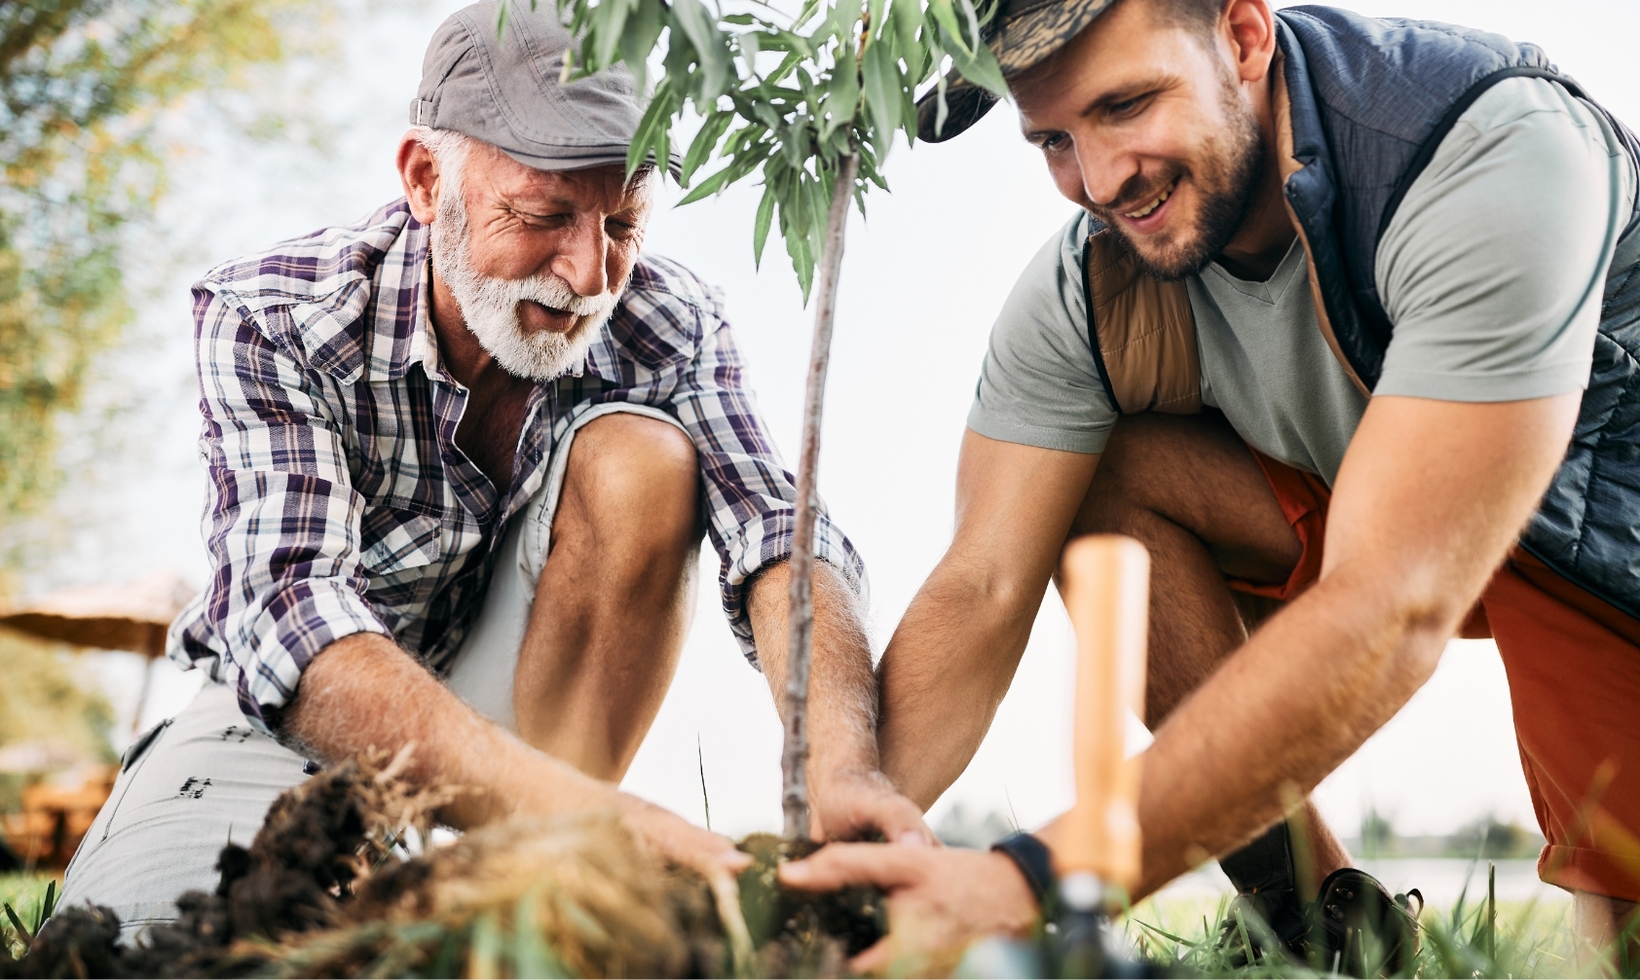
column 587, row 158
column 1019, row 42
column 965, row 104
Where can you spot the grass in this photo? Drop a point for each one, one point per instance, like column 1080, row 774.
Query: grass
column 28, row 898
column 1473, row 938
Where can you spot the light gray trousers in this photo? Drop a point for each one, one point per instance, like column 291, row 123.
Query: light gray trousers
column 205, row 777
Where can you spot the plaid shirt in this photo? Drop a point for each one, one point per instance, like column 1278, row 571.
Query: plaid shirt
column 338, row 502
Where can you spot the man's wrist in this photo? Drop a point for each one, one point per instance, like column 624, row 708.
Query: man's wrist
column 1034, row 862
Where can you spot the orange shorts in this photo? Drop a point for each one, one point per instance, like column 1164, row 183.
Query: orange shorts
column 1573, row 663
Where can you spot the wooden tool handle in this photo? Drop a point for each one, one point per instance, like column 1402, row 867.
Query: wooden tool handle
column 1107, row 592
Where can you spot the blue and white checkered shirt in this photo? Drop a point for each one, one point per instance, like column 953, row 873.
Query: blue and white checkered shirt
column 338, row 502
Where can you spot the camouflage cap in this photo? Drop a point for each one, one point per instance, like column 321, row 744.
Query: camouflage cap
column 1023, row 33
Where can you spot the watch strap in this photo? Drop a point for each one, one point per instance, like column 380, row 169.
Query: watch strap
column 1034, row 860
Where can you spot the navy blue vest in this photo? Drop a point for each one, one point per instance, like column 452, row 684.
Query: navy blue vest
column 1371, row 101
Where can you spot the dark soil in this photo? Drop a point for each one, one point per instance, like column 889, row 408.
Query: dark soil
column 320, row 893
column 803, row 934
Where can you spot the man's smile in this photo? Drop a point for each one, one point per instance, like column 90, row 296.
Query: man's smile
column 533, row 316
column 1152, row 214
column 1155, row 203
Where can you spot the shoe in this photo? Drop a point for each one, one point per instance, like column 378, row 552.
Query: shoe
column 1360, row 930
column 1355, row 928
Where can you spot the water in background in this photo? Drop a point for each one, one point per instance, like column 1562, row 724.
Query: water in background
column 1441, row 880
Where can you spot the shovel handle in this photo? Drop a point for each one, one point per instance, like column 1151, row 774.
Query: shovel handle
column 1106, row 581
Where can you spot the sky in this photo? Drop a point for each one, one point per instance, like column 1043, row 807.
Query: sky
column 923, row 278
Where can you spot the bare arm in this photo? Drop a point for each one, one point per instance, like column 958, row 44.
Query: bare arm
column 364, row 692
column 955, row 652
column 1430, row 498
column 849, row 796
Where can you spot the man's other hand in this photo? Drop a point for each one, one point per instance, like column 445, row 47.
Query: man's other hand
column 858, row 804
column 940, row 900
column 681, row 842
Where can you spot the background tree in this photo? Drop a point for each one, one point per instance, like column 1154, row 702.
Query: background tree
column 810, row 102
column 82, row 85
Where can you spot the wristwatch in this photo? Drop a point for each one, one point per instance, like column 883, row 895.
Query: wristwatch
column 1035, row 863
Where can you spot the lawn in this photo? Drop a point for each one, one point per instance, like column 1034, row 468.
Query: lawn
column 1470, row 939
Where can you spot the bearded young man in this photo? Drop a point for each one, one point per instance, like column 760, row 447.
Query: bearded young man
column 1336, row 280
column 476, row 437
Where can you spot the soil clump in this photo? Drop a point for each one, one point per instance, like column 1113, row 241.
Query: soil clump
column 803, row 934
column 336, row 883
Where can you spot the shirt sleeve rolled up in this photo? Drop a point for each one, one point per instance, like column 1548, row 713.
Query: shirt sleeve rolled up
column 749, row 495
column 282, row 517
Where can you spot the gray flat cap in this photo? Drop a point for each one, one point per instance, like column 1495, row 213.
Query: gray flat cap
column 506, row 91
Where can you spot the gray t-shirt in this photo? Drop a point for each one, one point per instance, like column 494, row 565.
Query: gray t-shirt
column 1491, row 271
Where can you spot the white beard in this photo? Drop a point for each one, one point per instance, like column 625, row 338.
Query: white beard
column 489, row 305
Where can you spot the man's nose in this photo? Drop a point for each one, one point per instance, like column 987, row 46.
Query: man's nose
column 1105, row 171
column 583, row 258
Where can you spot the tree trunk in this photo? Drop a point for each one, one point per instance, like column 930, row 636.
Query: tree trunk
column 794, row 760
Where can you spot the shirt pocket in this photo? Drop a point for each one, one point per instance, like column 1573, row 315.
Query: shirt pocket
column 398, row 538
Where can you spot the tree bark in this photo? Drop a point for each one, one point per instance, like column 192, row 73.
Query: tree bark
column 794, row 758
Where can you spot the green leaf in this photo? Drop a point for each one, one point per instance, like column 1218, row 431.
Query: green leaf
column 695, row 21
column 707, row 187
column 941, row 109
column 751, row 43
column 876, row 17
column 656, row 119
column 882, row 78
column 972, row 17
column 706, row 140
column 760, row 229
column 945, row 15
column 608, row 21
column 842, row 94
column 981, row 69
column 642, row 33
column 907, row 18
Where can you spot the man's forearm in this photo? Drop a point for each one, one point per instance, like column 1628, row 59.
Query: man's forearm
column 1429, row 500
column 365, row 692
column 849, row 797
column 1281, row 714
column 842, row 689
column 944, row 674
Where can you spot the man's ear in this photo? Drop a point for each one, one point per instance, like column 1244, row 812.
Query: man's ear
column 1250, row 30
column 418, row 173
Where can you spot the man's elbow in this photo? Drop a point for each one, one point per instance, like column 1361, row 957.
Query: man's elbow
column 1426, row 613
column 999, row 592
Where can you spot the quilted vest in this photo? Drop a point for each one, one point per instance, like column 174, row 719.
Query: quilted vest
column 1361, row 106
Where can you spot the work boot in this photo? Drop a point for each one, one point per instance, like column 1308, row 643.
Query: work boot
column 1266, row 908
column 1359, row 930
column 1355, row 927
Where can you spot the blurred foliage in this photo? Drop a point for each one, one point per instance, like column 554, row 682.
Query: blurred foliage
column 40, row 701
column 83, row 84
column 1485, row 839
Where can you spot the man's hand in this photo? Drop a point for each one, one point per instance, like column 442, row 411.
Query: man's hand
column 939, row 900
column 681, row 842
column 364, row 692
column 856, row 804
column 849, row 797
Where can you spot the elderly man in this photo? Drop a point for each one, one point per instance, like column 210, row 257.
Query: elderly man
column 476, row 437
column 1347, row 325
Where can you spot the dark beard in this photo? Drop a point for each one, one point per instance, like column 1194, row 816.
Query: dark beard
column 1227, row 185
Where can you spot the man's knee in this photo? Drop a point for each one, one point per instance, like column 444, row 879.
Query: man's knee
column 1137, row 472
column 632, row 482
